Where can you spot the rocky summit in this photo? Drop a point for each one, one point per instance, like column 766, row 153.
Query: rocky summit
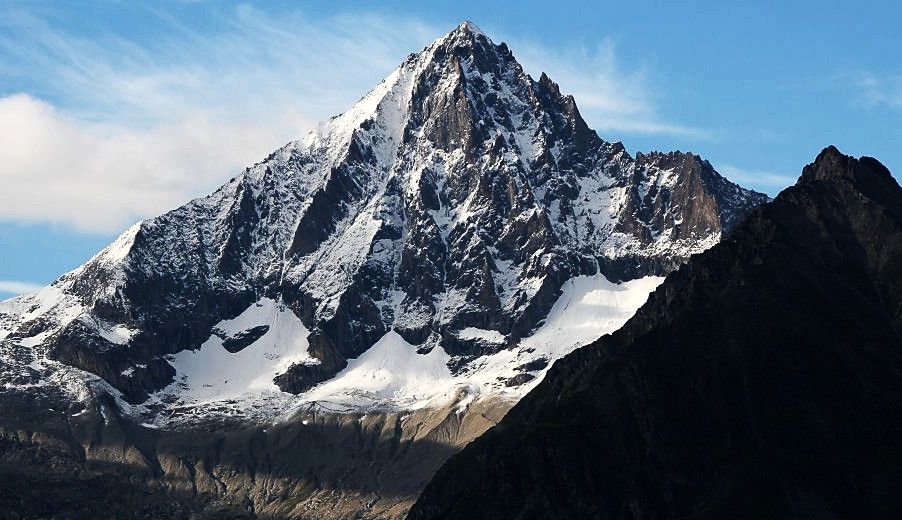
column 442, row 241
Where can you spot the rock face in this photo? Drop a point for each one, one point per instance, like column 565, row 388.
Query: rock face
column 763, row 379
column 459, row 193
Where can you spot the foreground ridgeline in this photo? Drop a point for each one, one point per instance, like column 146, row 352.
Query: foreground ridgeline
column 763, row 379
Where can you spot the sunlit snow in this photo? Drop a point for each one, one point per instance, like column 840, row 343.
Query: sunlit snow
column 213, row 373
column 392, row 374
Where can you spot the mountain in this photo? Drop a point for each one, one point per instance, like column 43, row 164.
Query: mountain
column 432, row 250
column 763, row 379
column 449, row 205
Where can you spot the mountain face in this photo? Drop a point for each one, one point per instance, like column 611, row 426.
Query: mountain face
column 763, row 379
column 315, row 338
column 449, row 206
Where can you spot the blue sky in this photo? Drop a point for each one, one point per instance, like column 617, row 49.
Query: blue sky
column 112, row 112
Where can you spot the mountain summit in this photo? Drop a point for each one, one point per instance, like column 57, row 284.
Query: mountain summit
column 318, row 335
column 443, row 215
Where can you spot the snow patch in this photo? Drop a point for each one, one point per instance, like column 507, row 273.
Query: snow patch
column 212, row 373
column 588, row 308
column 392, row 373
column 489, row 336
column 117, row 334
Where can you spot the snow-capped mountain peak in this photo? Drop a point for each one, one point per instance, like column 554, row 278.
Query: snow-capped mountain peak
column 446, row 213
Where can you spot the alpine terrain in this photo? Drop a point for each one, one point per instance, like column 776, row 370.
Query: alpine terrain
column 763, row 379
column 317, row 336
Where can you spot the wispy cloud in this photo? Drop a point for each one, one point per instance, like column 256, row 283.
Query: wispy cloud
column 770, row 182
column 115, row 129
column 879, row 91
column 612, row 98
column 122, row 131
column 248, row 64
column 15, row 287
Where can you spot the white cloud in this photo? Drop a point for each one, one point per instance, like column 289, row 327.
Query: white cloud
column 100, row 177
column 145, row 129
column 114, row 130
column 770, row 182
column 14, row 287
